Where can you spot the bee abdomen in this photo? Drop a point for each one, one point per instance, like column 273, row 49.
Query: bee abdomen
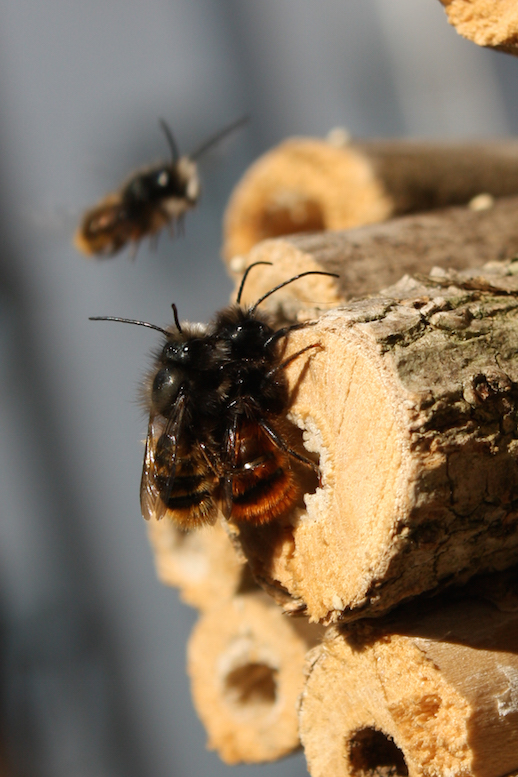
column 263, row 491
column 189, row 499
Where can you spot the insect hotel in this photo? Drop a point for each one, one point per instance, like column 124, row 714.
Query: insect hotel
column 374, row 622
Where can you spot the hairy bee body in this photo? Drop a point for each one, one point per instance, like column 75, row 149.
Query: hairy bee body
column 217, row 425
column 218, row 435
column 149, row 200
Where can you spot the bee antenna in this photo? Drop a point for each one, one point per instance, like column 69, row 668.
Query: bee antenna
column 176, row 320
column 170, row 140
column 129, row 321
column 218, row 136
column 285, row 283
column 245, row 276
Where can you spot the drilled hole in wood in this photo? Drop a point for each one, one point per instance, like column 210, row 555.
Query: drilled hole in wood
column 252, row 684
column 289, row 214
column 374, row 754
column 247, row 581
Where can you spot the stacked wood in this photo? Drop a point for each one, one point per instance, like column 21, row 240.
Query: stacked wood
column 432, row 691
column 492, row 23
column 308, row 185
column 246, row 664
column 411, row 404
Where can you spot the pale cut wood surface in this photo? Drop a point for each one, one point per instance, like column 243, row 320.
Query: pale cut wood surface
column 203, row 564
column 428, row 693
column 411, row 403
column 492, row 23
column 245, row 661
column 370, row 258
column 308, row 185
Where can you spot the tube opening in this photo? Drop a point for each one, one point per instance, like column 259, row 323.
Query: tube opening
column 289, row 213
column 252, row 684
column 372, row 753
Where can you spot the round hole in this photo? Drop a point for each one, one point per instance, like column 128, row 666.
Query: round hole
column 290, row 215
column 252, row 684
column 374, row 754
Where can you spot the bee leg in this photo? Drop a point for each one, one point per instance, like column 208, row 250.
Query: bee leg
column 228, row 478
column 181, row 225
column 285, row 331
column 134, row 250
column 290, row 359
column 279, row 442
column 226, row 502
column 153, row 241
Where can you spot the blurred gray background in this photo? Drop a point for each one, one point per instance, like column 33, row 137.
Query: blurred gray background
column 92, row 646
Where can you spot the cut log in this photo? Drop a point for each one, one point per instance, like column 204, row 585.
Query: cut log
column 203, row 564
column 370, row 258
column 430, row 693
column 492, row 23
column 246, row 661
column 308, row 185
column 411, row 403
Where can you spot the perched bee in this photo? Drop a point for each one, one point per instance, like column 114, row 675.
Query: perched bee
column 149, row 200
column 218, row 434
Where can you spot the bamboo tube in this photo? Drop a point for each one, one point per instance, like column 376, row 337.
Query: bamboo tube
column 203, row 564
column 370, row 258
column 429, row 693
column 246, row 660
column 307, row 185
column 492, row 23
column 411, row 403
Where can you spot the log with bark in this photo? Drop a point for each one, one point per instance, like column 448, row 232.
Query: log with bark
column 370, row 258
column 307, row 185
column 491, row 23
column 246, row 660
column 432, row 691
column 411, row 403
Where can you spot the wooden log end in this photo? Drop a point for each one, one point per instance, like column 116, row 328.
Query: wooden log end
column 414, row 424
column 303, row 185
column 203, row 564
column 491, row 23
column 426, row 693
column 246, row 660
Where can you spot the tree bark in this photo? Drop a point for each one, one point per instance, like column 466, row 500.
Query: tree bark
column 246, row 660
column 411, row 402
column 429, row 692
column 371, row 258
column 308, row 185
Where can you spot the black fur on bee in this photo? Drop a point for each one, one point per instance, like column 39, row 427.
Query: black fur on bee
column 218, row 434
column 149, row 200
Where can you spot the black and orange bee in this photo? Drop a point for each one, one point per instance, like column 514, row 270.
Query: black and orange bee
column 218, row 434
column 149, row 200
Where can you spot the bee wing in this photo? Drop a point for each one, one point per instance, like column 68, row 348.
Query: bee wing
column 149, row 497
column 151, row 503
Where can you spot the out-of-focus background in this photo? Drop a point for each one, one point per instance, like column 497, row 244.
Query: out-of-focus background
column 92, row 647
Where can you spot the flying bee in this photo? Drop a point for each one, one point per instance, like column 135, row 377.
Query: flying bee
column 149, row 200
column 218, row 434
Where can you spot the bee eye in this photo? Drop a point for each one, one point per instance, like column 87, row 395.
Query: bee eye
column 166, row 386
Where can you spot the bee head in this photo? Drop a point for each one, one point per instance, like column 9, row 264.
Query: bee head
column 188, row 353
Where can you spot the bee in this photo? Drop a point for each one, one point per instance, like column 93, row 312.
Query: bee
column 149, row 200
column 218, row 434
